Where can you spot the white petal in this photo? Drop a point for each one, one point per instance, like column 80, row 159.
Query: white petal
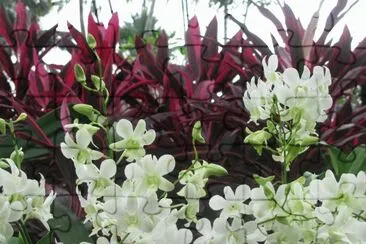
column 203, row 226
column 108, row 168
column 220, row 226
column 324, row 215
column 242, row 192
column 83, row 138
column 140, row 128
column 95, row 155
column 124, row 128
column 272, row 63
column 102, row 240
column 67, row 151
column 149, row 137
column 130, row 170
column 165, row 164
column 229, row 194
column 165, row 185
column 291, row 76
column 217, row 202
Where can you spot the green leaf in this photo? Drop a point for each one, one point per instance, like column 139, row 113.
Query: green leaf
column 353, row 162
column 68, row 227
column 14, row 240
column 47, row 239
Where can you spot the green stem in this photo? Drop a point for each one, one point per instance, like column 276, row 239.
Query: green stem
column 24, row 233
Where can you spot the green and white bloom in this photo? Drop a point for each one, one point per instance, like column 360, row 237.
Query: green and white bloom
column 233, row 203
column 224, row 232
column 349, row 191
column 6, row 231
column 258, row 99
column 194, row 181
column 80, row 152
column 148, row 173
column 26, row 197
column 133, row 141
column 98, row 179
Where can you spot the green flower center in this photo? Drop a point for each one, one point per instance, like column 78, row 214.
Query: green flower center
column 132, row 144
column 132, row 220
column 82, row 155
column 152, row 181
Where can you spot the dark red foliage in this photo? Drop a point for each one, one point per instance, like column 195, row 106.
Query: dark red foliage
column 172, row 97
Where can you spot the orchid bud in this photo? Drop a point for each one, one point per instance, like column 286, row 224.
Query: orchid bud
column 2, row 126
column 79, row 74
column 262, row 180
column 215, row 170
column 17, row 156
column 309, row 140
column 259, row 137
column 98, row 82
column 197, row 132
column 3, row 165
column 85, row 109
column 21, row 117
column 92, row 43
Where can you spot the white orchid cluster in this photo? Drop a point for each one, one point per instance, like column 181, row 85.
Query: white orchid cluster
column 323, row 211
column 21, row 199
column 138, row 210
column 291, row 106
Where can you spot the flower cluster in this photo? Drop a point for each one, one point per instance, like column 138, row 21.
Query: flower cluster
column 289, row 93
column 324, row 211
column 21, row 199
column 138, row 210
column 292, row 105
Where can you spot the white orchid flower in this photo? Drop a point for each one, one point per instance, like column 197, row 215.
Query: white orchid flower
column 26, row 197
column 349, row 191
column 223, row 232
column 148, row 173
column 258, row 99
column 270, row 69
column 80, row 152
column 98, row 179
column 6, row 230
column 233, row 203
column 133, row 141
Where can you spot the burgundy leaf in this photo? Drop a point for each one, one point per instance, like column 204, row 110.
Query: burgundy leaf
column 193, row 45
column 20, row 26
column 6, row 29
column 332, row 20
column 87, row 55
column 47, row 37
column 162, row 55
column 209, row 47
column 6, row 62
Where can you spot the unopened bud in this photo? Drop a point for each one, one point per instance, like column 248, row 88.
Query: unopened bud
column 215, row 170
column 2, row 126
column 197, row 132
column 79, row 73
column 21, row 117
column 98, row 82
column 17, row 156
column 92, row 43
column 85, row 109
